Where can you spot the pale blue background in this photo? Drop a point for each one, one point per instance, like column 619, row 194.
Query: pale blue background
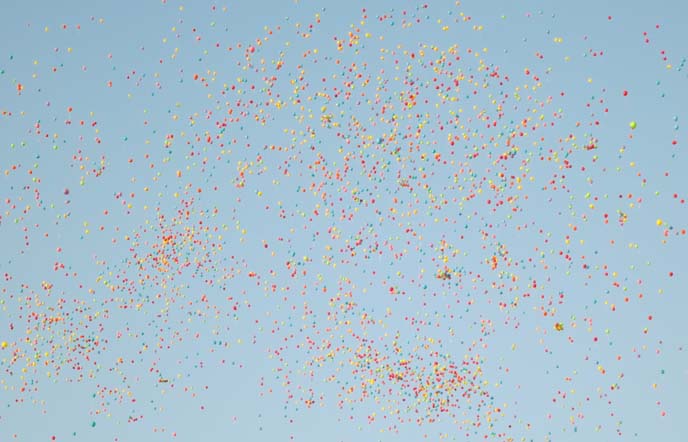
column 514, row 31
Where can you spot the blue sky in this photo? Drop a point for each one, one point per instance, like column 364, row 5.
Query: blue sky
column 342, row 221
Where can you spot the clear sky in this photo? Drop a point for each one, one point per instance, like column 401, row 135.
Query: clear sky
column 343, row 221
